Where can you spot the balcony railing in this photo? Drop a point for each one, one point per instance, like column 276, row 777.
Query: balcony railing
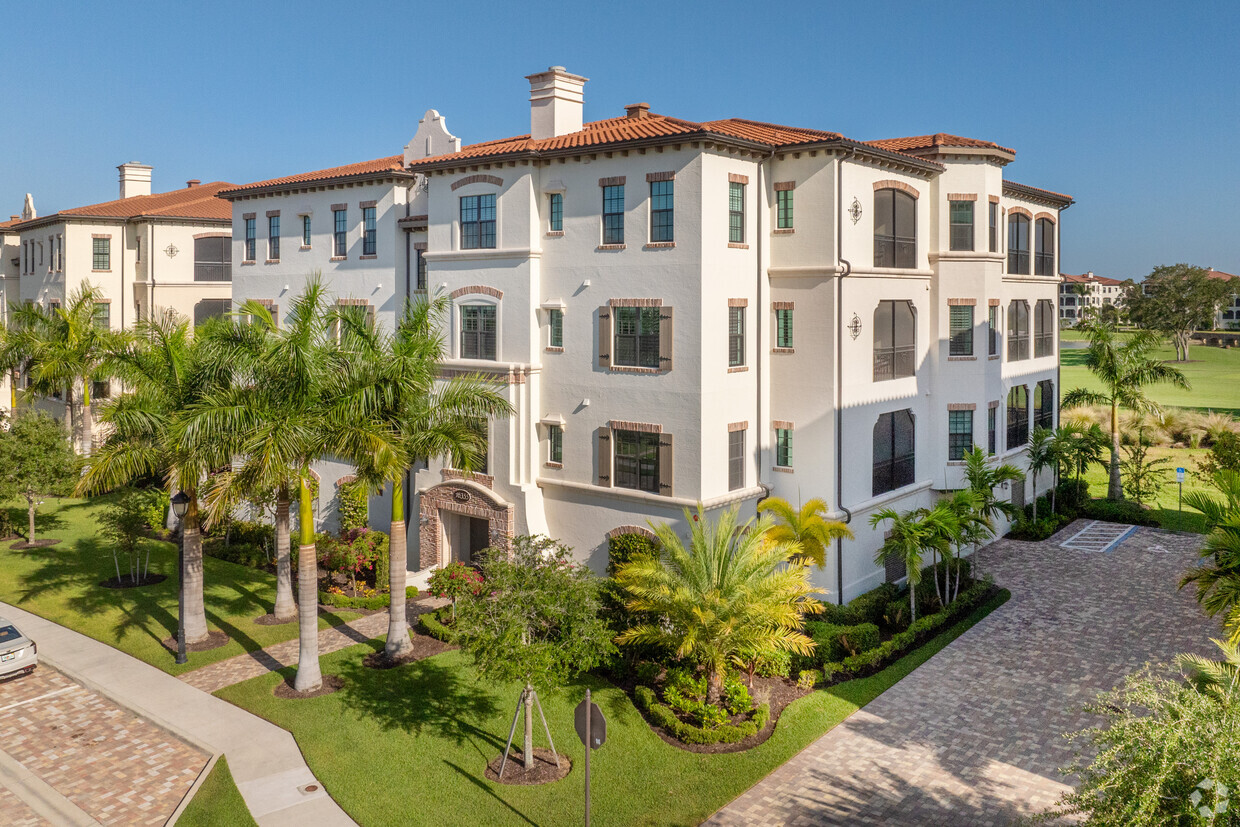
column 893, row 363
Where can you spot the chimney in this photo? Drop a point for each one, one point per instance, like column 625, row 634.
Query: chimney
column 28, row 210
column 637, row 110
column 191, row 183
column 556, row 101
column 135, row 179
column 14, row 217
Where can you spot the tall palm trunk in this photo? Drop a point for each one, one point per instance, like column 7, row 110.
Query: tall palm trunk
column 195, row 608
column 308, row 676
column 71, row 422
column 1035, row 494
column 398, row 642
column 87, row 425
column 1115, row 491
column 31, row 503
column 912, row 602
column 285, row 607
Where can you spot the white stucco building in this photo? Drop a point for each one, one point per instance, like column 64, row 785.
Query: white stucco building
column 1078, row 293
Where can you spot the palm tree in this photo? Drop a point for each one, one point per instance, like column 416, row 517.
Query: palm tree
column 165, row 372
column 1218, row 577
column 912, row 534
column 1079, row 447
column 728, row 593
column 1124, row 368
column 1218, row 679
column 1041, row 455
column 984, row 477
column 972, row 529
column 432, row 418
column 808, row 527
column 1227, row 483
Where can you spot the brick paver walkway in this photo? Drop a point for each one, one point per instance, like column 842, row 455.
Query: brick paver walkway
column 15, row 813
column 111, row 764
column 974, row 735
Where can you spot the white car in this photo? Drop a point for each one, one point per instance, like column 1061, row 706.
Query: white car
column 19, row 655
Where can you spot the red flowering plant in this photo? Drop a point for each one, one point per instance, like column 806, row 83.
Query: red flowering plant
column 349, row 559
column 455, row 580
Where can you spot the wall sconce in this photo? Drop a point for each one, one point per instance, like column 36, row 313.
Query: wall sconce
column 424, row 520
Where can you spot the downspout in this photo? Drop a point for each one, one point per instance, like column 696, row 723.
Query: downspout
column 762, row 304
column 839, row 368
column 150, row 300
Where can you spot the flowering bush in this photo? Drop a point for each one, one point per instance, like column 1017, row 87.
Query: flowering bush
column 455, row 580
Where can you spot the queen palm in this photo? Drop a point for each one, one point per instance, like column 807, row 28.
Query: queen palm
column 1125, row 369
column 1079, row 447
column 911, row 535
column 1040, row 453
column 984, row 476
column 727, row 593
column 807, row 526
column 972, row 528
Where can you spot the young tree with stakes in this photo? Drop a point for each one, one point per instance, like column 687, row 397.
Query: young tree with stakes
column 36, row 461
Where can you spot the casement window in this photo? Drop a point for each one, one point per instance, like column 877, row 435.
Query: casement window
column 1044, row 404
column 992, row 420
column 1017, row 417
column 783, row 327
column 961, row 225
column 736, row 212
column 1044, row 328
column 893, row 451
column 1018, row 244
column 895, row 340
column 637, row 460
column 370, row 232
column 555, row 444
column 555, row 328
column 478, row 222
column 783, row 209
column 994, row 227
column 305, row 231
column 555, row 212
column 961, row 330
column 736, row 337
column 273, row 238
column 420, row 268
column 959, row 434
column 210, row 309
column 994, row 331
column 101, row 254
column 613, row 214
column 102, row 316
column 662, row 211
column 736, row 460
column 213, row 258
column 250, row 245
column 1044, row 248
column 478, row 331
column 1018, row 330
column 340, row 233
column 895, row 229
column 637, row 337
column 360, row 314
column 783, row 447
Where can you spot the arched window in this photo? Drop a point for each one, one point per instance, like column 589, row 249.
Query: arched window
column 1044, row 248
column 1044, row 404
column 895, row 229
column 1018, row 330
column 895, row 340
column 1018, row 243
column 1017, row 417
column 893, row 451
column 213, row 258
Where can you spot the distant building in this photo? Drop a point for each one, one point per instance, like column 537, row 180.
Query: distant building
column 1076, row 293
column 1228, row 315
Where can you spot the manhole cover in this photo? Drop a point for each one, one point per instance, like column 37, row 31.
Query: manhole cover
column 311, row 788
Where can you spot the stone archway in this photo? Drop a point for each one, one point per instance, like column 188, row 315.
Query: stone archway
column 455, row 498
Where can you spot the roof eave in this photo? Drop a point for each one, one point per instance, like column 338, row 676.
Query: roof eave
column 1034, row 194
column 237, row 193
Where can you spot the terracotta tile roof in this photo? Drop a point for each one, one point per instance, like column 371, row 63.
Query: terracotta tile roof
column 1211, row 272
column 392, row 163
column 12, row 222
column 1058, row 196
column 192, row 202
column 1089, row 278
column 922, row 142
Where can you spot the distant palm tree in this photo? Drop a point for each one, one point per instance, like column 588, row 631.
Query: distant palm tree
column 726, row 594
column 1218, row 577
column 984, row 476
column 1125, row 369
column 1041, row 455
column 808, row 527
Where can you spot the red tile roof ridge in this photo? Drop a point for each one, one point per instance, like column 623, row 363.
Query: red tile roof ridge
column 937, row 139
column 200, row 201
column 393, row 163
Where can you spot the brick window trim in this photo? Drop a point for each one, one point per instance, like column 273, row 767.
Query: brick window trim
column 994, row 404
column 353, row 302
column 553, row 349
column 651, row 177
column 476, row 179
column 993, row 303
column 555, row 233
column 635, row 302
column 891, row 184
column 103, row 301
column 273, row 213
column 783, row 350
column 733, row 427
column 339, row 258
column 962, row 196
column 783, row 305
column 738, row 369
column 736, row 246
column 962, row 358
column 781, row 424
column 366, row 204
column 100, row 235
column 786, row 231
column 994, row 199
column 365, row 258
column 480, row 289
column 633, row 369
column 620, row 531
column 961, row 302
column 611, row 247
column 247, row 216
column 336, row 207
column 783, row 469
column 419, row 245
column 277, row 261
column 642, row 427
column 1020, row 211
column 962, row 406
column 1048, row 216
column 736, row 178
column 653, row 245
column 212, row 235
column 738, row 302
column 614, row 181
column 784, row 186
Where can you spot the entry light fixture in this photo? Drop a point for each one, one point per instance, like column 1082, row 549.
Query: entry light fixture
column 180, row 504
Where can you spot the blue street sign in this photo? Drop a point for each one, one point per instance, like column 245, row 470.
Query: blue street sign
column 1179, row 475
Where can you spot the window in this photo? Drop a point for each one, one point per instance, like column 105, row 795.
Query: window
column 961, row 324
column 213, row 258
column 340, row 233
column 1044, row 248
column 1017, row 417
column 210, row 309
column 959, row 434
column 478, row 222
column 101, row 254
column 369, row 232
column 994, row 227
column 637, row 460
column 421, row 270
column 783, row 447
column 555, row 220
column 613, row 214
column 1044, row 404
column 736, row 213
column 555, row 444
column 736, row 460
column 662, row 211
column 783, row 209
column 736, row 337
column 1044, row 328
column 1018, row 244
column 996, row 332
column 102, row 317
column 1018, row 330
column 962, row 225
column 637, row 336
column 305, row 231
column 360, row 315
column 478, row 331
column 895, row 339
column 555, row 328
column 992, row 418
column 783, row 327
column 895, row 229
column 251, row 239
column 100, row 390
column 273, row 238
column 893, row 451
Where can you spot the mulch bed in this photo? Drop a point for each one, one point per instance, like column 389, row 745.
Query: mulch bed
column 423, row 647
column 214, row 640
column 544, row 770
column 331, row 683
column 23, row 545
column 127, row 582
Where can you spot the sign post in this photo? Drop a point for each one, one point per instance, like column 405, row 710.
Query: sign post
column 591, row 728
column 1179, row 478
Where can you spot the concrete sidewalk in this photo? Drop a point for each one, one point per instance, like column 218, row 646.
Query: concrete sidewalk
column 264, row 759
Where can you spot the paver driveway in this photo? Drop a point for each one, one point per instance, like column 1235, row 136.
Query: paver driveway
column 973, row 737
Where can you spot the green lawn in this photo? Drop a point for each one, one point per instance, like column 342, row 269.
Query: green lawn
column 1167, row 503
column 411, row 744
column 217, row 802
column 60, row 583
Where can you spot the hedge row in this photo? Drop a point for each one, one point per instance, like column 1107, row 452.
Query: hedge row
column 433, row 625
column 378, row 601
column 663, row 716
column 835, row 642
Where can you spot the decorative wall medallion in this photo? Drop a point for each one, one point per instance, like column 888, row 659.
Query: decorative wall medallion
column 171, row 250
column 460, row 496
column 854, row 326
column 854, row 212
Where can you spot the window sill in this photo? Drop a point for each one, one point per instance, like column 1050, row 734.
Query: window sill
column 555, row 233
column 738, row 369
column 553, row 465
column 632, row 369
column 783, row 350
column 607, row 247
column 788, row 231
column 368, row 258
column 303, row 248
column 962, row 358
column 735, row 246
column 105, row 271
column 248, row 262
column 339, row 258
column 660, row 245
column 992, row 357
column 272, row 261
column 956, row 463
column 554, row 349
column 783, row 469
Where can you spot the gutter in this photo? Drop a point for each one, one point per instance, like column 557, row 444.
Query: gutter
column 763, row 351
column 839, row 369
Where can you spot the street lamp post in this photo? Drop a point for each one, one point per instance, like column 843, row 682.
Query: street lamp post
column 180, row 504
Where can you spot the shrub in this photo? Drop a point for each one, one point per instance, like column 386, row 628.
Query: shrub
column 344, row 601
column 837, row 642
column 155, row 510
column 895, row 616
column 647, row 672
column 243, row 554
column 1070, row 495
column 1026, row 528
column 845, row 615
column 453, row 581
column 774, row 665
column 354, row 508
column 251, row 532
column 662, row 716
column 869, row 607
column 808, row 679
column 1123, row 511
column 736, row 699
column 624, row 548
column 435, row 625
column 1224, row 454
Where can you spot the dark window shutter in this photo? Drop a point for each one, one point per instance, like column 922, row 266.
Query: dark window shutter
column 603, row 450
column 665, row 340
column 604, row 336
column 666, row 467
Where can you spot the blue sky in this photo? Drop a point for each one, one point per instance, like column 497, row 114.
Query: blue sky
column 1132, row 108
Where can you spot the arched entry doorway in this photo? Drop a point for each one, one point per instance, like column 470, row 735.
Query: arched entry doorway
column 457, row 519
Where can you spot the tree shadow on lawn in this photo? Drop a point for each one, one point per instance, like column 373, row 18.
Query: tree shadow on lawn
column 486, row 788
